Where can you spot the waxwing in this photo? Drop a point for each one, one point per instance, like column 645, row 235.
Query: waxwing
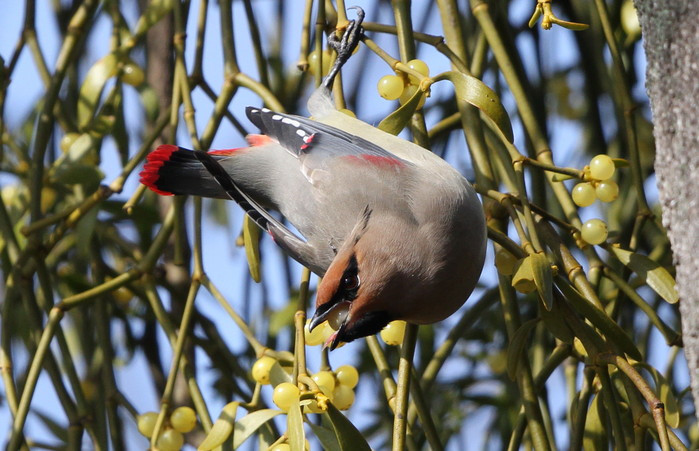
column 393, row 230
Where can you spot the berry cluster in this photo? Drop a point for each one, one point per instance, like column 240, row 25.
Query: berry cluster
column 337, row 387
column 181, row 421
column 392, row 87
column 602, row 187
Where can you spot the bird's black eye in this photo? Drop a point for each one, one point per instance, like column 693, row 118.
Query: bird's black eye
column 350, row 282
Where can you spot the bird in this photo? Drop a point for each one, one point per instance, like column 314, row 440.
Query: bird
column 394, row 231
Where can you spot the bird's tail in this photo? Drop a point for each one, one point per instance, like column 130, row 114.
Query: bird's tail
column 173, row 170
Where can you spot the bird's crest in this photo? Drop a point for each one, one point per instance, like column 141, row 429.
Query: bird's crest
column 361, row 225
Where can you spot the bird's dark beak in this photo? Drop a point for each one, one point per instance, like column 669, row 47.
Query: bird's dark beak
column 320, row 315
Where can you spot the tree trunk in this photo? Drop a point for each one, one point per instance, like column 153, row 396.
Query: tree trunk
column 671, row 42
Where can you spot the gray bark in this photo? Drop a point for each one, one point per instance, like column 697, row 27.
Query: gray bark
column 671, row 42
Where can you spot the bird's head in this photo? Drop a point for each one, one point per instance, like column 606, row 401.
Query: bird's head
column 368, row 282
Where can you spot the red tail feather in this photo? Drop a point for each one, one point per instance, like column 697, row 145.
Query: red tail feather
column 154, row 161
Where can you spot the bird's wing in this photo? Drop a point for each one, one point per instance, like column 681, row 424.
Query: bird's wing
column 296, row 247
column 318, row 145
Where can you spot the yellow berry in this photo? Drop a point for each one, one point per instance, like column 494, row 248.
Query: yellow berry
column 261, row 369
column 390, row 87
column 601, row 167
column 327, row 332
column 505, row 262
column 420, row 67
column 343, row 397
column 607, row 190
column 393, row 333
column 347, row 375
column 629, row 19
column 408, row 94
column 68, row 140
column 325, row 379
column 170, row 440
column 132, row 74
column 122, row 296
column 347, row 112
column 338, row 315
column 146, row 423
column 183, row 419
column 281, row 447
column 285, row 395
column 316, row 337
column 594, row 231
column 583, row 194
column 313, row 61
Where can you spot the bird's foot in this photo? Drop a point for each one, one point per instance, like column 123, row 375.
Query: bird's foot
column 345, row 45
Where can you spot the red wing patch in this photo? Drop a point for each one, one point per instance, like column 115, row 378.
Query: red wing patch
column 258, row 140
column 376, row 160
column 224, row 151
column 154, row 161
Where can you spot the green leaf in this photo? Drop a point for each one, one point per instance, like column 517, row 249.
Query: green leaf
column 150, row 102
column 57, row 428
column 515, row 350
column 92, row 87
column 556, row 324
column 79, row 174
column 251, row 422
column 664, row 391
column 395, row 122
column 570, row 25
column 595, row 435
column 326, row 437
column 294, row 428
column 672, row 410
column 251, row 238
column 348, row 437
column 277, row 375
column 650, row 272
column 599, row 319
column 523, row 277
column 282, row 318
column 541, row 270
column 472, row 90
column 79, row 149
column 84, row 231
column 222, row 428
column 620, row 163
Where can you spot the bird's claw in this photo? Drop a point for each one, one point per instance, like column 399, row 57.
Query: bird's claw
column 345, row 45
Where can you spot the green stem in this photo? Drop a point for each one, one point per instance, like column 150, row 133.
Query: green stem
column 299, row 324
column 400, row 422
column 33, row 377
column 178, row 350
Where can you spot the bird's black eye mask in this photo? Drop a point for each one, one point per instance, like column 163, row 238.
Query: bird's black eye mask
column 349, row 283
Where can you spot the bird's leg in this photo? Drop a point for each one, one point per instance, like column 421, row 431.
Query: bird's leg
column 345, row 45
